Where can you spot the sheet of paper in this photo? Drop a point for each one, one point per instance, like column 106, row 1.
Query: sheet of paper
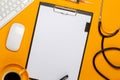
column 58, row 45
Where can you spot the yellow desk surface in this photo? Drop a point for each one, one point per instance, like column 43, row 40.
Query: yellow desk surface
column 111, row 22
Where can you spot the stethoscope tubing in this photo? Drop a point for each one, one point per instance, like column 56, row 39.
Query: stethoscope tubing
column 103, row 50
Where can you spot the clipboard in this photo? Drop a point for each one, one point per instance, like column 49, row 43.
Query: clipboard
column 59, row 42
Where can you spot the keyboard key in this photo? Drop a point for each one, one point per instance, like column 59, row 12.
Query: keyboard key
column 11, row 8
column 0, row 17
column 2, row 3
column 25, row 1
column 7, row 11
column 5, row 1
column 7, row 18
column 13, row 0
column 3, row 14
column 18, row 8
column 18, row 2
column 14, row 5
column 6, row 6
column 22, row 5
column 10, row 3
column 2, row 9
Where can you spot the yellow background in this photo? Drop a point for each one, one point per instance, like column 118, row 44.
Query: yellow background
column 111, row 22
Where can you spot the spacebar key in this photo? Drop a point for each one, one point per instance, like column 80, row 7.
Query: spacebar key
column 7, row 19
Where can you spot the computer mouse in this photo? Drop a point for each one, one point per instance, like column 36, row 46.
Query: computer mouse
column 15, row 36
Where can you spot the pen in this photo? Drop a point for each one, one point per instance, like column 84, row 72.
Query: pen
column 65, row 77
column 33, row 79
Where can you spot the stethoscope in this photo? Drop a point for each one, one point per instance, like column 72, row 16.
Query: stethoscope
column 103, row 50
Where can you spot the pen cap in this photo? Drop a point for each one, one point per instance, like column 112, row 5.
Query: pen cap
column 74, row 0
column 83, row 1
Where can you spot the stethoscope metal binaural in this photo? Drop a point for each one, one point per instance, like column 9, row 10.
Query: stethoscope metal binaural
column 103, row 50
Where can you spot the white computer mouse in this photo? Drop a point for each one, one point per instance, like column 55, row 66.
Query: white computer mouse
column 15, row 36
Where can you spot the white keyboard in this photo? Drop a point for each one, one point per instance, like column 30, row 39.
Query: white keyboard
column 10, row 8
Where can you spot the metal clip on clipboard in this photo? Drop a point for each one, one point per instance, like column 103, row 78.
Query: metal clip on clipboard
column 65, row 11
